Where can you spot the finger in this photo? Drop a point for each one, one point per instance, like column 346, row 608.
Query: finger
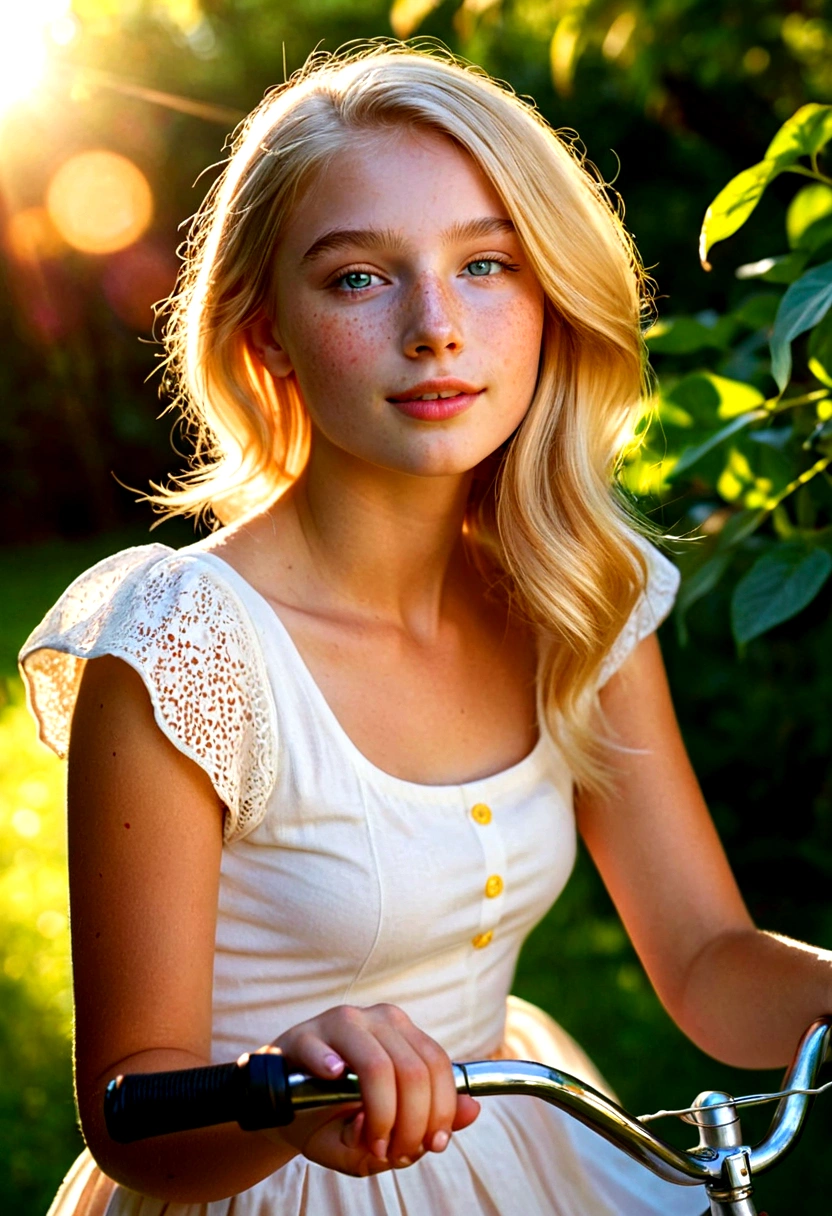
column 307, row 1123
column 413, row 1096
column 367, row 1056
column 326, row 1146
column 309, row 1051
column 467, row 1110
column 351, row 1135
column 443, row 1108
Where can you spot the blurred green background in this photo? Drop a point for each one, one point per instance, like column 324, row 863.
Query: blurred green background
column 671, row 98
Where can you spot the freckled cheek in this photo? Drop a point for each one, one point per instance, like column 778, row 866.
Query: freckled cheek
column 514, row 334
column 327, row 345
column 337, row 361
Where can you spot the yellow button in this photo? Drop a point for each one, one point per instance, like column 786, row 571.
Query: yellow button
column 481, row 813
column 494, row 886
column 482, row 939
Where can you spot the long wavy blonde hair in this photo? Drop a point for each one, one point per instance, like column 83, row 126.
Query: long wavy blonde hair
column 547, row 514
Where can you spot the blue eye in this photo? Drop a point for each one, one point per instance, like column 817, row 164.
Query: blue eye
column 356, row 280
column 482, row 267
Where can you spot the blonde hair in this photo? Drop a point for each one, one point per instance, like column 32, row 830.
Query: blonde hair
column 549, row 518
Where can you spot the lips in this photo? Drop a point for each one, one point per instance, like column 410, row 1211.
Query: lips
column 442, row 388
column 431, row 407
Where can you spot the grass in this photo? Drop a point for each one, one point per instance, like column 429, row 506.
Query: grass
column 577, row 964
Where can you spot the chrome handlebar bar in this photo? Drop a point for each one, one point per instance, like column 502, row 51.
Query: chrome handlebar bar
column 260, row 1090
column 699, row 1165
column 484, row 1078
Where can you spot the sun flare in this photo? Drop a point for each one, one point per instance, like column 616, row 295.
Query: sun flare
column 26, row 31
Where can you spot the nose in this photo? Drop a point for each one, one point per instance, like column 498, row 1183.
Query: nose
column 432, row 320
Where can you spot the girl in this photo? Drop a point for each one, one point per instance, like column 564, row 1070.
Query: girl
column 322, row 763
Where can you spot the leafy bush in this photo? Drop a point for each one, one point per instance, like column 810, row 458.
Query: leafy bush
column 751, row 456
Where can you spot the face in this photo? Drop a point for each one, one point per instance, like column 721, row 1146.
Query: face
column 406, row 308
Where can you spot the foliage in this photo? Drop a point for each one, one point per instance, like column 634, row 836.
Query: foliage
column 667, row 94
column 753, row 463
column 37, row 1114
column 37, row 1125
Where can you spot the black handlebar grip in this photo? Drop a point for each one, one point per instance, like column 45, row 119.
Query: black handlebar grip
column 253, row 1092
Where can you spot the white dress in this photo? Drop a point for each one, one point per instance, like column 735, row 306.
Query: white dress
column 341, row 883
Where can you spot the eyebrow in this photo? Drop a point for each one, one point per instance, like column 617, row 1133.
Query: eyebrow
column 388, row 238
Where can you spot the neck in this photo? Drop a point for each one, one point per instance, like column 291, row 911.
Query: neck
column 381, row 543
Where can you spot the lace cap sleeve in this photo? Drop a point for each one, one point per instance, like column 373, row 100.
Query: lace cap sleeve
column 653, row 605
column 174, row 620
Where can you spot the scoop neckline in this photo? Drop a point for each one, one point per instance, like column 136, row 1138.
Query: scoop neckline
column 530, row 764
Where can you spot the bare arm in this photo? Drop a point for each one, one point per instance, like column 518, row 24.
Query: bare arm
column 145, row 834
column 743, row 995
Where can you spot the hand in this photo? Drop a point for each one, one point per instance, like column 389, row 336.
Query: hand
column 409, row 1100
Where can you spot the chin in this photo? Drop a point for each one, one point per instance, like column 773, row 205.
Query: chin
column 443, row 458
column 445, row 465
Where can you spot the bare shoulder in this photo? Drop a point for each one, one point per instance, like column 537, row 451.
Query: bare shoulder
column 113, row 711
column 262, row 548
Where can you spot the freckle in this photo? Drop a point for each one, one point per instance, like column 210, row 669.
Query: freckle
column 101, row 706
column 100, row 875
column 127, row 825
column 114, row 753
column 97, row 936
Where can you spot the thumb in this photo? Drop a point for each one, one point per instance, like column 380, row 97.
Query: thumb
column 467, row 1110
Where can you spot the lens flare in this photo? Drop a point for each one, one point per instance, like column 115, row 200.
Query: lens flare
column 31, row 236
column 100, row 202
column 24, row 30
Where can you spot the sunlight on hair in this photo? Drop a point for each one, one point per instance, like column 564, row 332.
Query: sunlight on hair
column 100, row 202
column 25, row 29
column 565, row 547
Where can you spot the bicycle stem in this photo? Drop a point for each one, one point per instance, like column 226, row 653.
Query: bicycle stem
column 719, row 1128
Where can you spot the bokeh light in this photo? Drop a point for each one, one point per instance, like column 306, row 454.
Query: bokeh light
column 24, row 29
column 100, row 202
column 31, row 236
column 136, row 279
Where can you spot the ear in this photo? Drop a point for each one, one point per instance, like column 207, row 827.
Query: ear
column 265, row 342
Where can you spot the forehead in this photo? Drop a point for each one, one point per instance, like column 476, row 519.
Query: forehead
column 408, row 180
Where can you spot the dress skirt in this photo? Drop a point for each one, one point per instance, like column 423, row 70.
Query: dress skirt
column 520, row 1158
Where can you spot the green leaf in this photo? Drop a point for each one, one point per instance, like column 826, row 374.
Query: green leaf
column 684, row 335
column 708, row 397
column 784, row 268
column 733, row 205
column 699, row 584
column 820, row 351
column 805, row 217
column 711, row 563
column 739, row 526
column 805, row 303
column 804, row 134
column 690, row 456
column 758, row 311
column 778, row 586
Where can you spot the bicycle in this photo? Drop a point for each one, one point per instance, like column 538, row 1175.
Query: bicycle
column 261, row 1090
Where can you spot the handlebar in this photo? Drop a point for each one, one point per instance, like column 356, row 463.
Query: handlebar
column 261, row 1090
